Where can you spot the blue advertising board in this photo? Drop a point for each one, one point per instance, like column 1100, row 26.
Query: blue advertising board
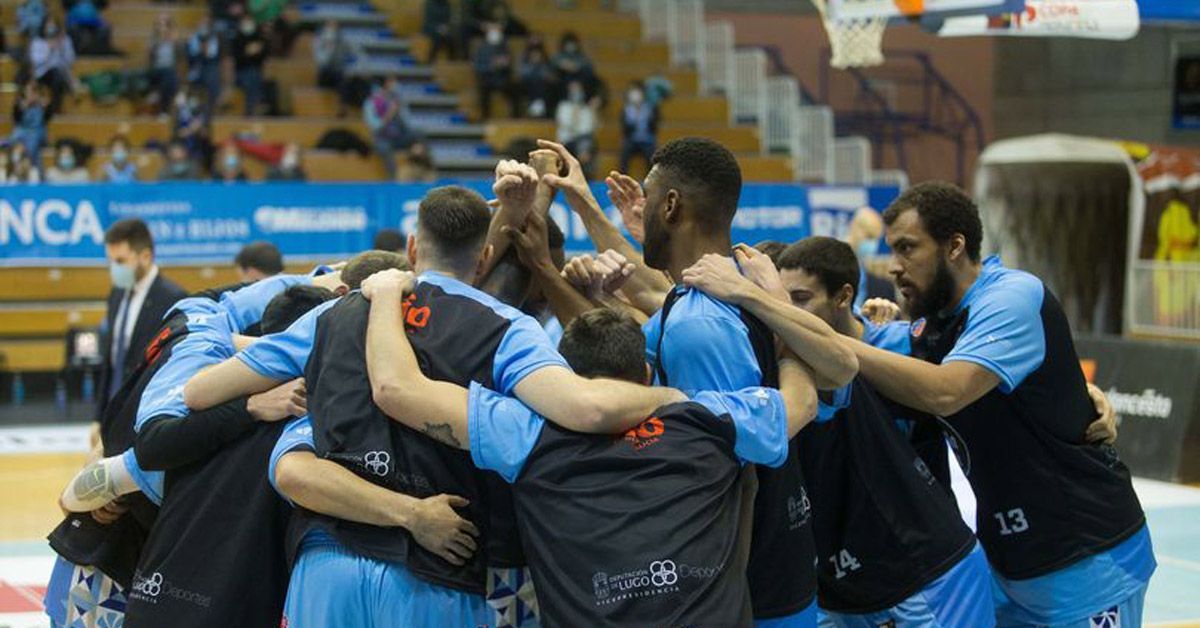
column 208, row 222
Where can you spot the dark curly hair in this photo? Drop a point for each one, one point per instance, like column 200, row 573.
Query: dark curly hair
column 605, row 343
column 830, row 260
column 709, row 171
column 945, row 209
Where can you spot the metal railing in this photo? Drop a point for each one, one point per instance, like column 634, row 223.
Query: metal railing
column 717, row 78
column 812, row 144
column 748, row 99
column 1163, row 299
column 898, row 178
column 851, row 160
column 783, row 99
column 686, row 33
column 653, row 16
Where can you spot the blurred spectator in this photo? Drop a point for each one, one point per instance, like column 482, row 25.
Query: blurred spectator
column 576, row 119
column 473, row 15
column 180, row 166
column 387, row 116
column 333, row 55
column 572, row 64
column 537, row 80
column 204, row 55
column 23, row 168
column 164, row 76
column 494, row 71
column 5, row 167
column 30, row 117
column 258, row 260
column 639, row 127
column 502, row 14
column 390, row 240
column 66, row 168
column 120, row 168
column 435, row 24
column 52, row 55
column 864, row 234
column 249, row 53
column 418, row 167
column 190, row 121
column 228, row 168
column 288, row 168
column 658, row 88
column 89, row 32
column 31, row 15
column 269, row 15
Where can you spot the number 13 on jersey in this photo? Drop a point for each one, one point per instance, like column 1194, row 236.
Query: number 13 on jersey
column 1012, row 521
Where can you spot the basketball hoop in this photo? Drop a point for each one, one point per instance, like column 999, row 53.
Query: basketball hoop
column 854, row 42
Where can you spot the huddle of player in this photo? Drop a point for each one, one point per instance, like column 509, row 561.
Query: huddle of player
column 718, row 439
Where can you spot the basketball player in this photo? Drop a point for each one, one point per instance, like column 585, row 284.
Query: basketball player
column 891, row 544
column 1062, row 527
column 696, row 342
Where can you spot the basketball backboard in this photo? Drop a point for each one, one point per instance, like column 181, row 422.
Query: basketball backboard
column 1090, row 19
column 839, row 10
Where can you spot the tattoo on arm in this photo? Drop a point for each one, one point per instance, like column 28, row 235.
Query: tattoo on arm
column 442, row 432
column 93, row 481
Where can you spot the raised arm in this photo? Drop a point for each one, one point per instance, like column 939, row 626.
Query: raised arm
column 594, row 406
column 533, row 247
column 812, row 340
column 646, row 283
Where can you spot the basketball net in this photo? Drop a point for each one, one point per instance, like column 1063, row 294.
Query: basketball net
column 855, row 43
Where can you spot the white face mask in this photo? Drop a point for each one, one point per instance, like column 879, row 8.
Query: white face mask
column 635, row 97
column 247, row 28
column 123, row 276
column 289, row 161
column 494, row 37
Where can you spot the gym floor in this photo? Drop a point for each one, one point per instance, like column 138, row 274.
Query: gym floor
column 35, row 463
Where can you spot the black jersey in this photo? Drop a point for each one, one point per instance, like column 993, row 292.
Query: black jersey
column 686, row 354
column 460, row 335
column 639, row 529
column 114, row 549
column 1046, row 498
column 884, row 527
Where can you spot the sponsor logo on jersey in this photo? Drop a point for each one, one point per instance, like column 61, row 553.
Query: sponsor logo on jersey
column 377, row 462
column 918, row 328
column 150, row 589
column 1110, row 618
column 646, row 434
column 659, row 577
column 414, row 316
column 798, row 508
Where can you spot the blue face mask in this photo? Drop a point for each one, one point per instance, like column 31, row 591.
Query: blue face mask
column 122, row 276
column 867, row 249
column 231, row 161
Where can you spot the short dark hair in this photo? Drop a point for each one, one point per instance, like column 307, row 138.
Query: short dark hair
column 454, row 220
column 262, row 256
column 945, row 209
column 772, row 249
column 291, row 304
column 832, row 261
column 131, row 230
column 368, row 263
column 708, row 168
column 605, row 343
column 389, row 240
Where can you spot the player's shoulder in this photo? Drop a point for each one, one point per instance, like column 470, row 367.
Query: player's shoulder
column 1005, row 287
column 431, row 282
column 693, row 305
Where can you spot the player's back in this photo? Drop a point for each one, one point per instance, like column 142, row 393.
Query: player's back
column 639, row 529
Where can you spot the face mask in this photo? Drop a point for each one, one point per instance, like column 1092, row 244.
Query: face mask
column 119, row 156
column 635, row 97
column 494, row 37
column 570, row 48
column 867, row 249
column 576, row 96
column 51, row 31
column 179, row 167
column 289, row 161
column 122, row 275
column 247, row 28
column 66, row 162
column 231, row 161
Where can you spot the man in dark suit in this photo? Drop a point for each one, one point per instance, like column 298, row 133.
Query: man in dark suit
column 140, row 297
column 866, row 229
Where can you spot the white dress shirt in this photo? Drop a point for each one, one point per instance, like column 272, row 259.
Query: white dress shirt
column 135, row 308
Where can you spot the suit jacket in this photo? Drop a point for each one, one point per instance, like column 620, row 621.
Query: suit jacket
column 879, row 287
column 161, row 296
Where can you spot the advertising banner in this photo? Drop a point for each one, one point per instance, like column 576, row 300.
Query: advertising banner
column 1153, row 388
column 208, row 222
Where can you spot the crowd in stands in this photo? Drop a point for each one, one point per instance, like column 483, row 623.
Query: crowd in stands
column 188, row 79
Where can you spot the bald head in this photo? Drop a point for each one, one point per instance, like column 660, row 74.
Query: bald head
column 867, row 225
